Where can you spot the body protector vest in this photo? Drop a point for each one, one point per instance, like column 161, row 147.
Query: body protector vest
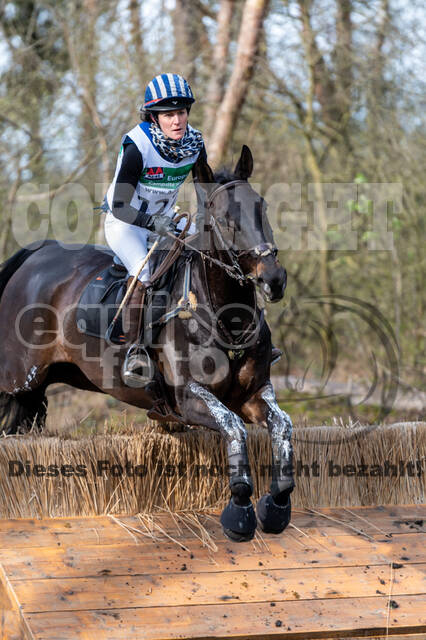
column 158, row 186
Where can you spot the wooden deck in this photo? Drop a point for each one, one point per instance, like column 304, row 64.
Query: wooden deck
column 335, row 573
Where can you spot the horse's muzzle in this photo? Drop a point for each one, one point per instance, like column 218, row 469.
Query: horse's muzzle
column 273, row 283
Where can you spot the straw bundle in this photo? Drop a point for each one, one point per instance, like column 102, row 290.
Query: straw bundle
column 147, row 470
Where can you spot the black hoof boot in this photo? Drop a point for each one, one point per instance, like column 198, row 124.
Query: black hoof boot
column 238, row 522
column 273, row 518
column 238, row 519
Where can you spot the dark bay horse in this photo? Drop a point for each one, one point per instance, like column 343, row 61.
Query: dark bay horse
column 214, row 361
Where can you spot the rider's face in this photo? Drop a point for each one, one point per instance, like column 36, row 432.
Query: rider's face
column 173, row 123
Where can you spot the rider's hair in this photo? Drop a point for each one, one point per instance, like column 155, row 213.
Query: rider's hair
column 146, row 115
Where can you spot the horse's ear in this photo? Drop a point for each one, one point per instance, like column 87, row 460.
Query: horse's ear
column 202, row 173
column 244, row 167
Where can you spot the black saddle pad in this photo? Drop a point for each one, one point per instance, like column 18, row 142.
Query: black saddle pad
column 101, row 298
column 99, row 303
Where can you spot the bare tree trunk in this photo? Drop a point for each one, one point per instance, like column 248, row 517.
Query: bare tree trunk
column 7, row 242
column 136, row 40
column 216, row 85
column 83, row 53
column 314, row 58
column 343, row 65
column 88, row 64
column 253, row 15
column 186, row 38
column 377, row 82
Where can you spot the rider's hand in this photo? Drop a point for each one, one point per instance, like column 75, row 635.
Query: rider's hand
column 162, row 225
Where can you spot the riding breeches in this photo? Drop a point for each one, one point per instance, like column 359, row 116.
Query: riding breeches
column 129, row 243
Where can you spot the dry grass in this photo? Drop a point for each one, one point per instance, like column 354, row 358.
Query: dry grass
column 195, row 480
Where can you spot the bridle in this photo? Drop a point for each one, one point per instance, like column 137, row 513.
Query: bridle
column 233, row 269
column 261, row 250
column 258, row 251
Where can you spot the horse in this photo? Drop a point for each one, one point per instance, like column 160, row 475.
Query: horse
column 213, row 361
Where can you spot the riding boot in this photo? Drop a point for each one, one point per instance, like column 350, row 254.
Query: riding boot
column 138, row 368
column 275, row 354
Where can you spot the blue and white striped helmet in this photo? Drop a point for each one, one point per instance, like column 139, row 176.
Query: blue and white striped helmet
column 166, row 92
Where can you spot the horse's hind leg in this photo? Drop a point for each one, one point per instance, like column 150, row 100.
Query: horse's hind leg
column 21, row 412
column 201, row 407
column 274, row 509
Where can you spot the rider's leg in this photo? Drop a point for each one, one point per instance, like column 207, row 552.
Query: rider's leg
column 137, row 368
column 132, row 313
column 130, row 244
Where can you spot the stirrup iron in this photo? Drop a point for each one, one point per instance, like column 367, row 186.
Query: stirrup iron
column 138, row 369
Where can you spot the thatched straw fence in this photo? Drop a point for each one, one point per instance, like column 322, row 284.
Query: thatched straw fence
column 185, row 471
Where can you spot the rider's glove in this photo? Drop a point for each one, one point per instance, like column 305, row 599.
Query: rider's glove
column 162, row 224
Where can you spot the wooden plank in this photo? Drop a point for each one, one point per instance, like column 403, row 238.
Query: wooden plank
column 178, row 589
column 412, row 636
column 402, row 542
column 400, row 548
column 20, row 533
column 389, row 519
column 12, row 624
column 79, row 531
column 153, row 558
column 52, row 532
column 89, row 578
column 246, row 621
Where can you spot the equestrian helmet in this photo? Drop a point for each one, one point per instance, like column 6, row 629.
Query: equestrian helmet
column 166, row 92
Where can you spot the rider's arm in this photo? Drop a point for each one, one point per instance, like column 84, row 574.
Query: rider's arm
column 127, row 180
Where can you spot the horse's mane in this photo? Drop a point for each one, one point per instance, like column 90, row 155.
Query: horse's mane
column 224, row 175
column 8, row 268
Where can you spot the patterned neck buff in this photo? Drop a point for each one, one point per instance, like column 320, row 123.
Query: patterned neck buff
column 175, row 150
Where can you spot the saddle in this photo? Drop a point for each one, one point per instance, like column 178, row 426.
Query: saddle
column 103, row 295
column 100, row 300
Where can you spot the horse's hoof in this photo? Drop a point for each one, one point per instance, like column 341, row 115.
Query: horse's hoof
column 272, row 517
column 238, row 537
column 238, row 522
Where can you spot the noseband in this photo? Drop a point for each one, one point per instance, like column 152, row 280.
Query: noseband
column 259, row 251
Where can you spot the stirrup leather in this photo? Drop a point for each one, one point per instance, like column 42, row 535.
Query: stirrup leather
column 138, row 369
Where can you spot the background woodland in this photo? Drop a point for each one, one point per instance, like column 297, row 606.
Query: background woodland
column 323, row 91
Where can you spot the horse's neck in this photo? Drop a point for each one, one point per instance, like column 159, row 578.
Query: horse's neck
column 221, row 289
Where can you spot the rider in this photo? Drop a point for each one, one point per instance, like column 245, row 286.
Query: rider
column 155, row 158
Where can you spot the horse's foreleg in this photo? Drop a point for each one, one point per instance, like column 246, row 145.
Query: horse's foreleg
column 201, row 407
column 274, row 509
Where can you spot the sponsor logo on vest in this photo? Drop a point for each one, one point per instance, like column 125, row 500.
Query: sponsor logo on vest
column 165, row 178
column 154, row 173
